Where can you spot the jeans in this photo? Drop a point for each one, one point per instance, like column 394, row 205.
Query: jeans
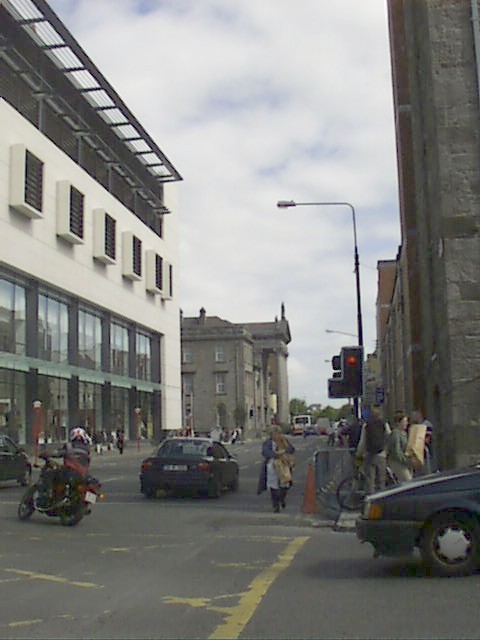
column 375, row 471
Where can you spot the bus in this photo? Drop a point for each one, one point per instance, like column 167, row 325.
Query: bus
column 300, row 423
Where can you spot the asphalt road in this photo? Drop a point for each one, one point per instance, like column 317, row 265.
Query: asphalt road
column 199, row 568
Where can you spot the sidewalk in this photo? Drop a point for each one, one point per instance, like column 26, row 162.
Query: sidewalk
column 131, row 450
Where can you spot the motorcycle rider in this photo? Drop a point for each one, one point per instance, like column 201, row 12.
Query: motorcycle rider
column 76, row 462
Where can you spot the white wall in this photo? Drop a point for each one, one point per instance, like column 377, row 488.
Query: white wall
column 32, row 246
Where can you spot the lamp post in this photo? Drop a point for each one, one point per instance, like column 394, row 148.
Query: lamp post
column 286, row 204
column 344, row 333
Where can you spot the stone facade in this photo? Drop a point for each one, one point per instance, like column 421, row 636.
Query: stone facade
column 435, row 68
column 234, row 375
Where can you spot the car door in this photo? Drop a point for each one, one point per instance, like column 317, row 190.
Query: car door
column 223, row 463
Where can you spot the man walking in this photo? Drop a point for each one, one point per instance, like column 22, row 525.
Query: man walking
column 372, row 447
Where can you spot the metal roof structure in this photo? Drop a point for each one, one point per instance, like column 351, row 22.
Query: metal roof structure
column 48, row 33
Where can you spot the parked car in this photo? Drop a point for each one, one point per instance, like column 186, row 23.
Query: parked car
column 198, row 465
column 439, row 514
column 14, row 462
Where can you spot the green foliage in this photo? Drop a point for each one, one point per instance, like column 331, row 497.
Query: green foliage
column 298, row 407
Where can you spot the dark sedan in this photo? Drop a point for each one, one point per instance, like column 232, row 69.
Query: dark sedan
column 198, row 465
column 439, row 514
column 14, row 463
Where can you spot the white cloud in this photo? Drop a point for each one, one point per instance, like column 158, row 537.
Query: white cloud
column 255, row 101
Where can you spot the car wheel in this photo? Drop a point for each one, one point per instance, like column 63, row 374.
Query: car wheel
column 26, row 478
column 149, row 492
column 214, row 488
column 450, row 544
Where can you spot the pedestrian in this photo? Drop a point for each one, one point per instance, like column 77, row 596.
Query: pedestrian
column 372, row 448
column 120, row 440
column 398, row 461
column 276, row 474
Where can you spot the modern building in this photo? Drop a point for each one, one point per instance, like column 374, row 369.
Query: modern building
column 89, row 315
column 435, row 52
column 234, row 375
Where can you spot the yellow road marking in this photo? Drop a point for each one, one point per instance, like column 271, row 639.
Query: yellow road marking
column 44, row 576
column 237, row 617
column 24, row 623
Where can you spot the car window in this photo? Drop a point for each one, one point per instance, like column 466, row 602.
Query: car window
column 190, row 448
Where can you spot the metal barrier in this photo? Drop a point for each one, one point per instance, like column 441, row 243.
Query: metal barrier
column 332, row 464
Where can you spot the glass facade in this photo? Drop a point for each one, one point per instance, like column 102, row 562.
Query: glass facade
column 90, row 407
column 81, row 363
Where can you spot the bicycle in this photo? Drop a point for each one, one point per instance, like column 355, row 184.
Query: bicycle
column 352, row 490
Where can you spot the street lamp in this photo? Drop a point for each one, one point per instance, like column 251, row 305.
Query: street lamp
column 344, row 333
column 286, row 204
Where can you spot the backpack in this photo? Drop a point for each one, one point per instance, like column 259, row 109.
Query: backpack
column 375, row 436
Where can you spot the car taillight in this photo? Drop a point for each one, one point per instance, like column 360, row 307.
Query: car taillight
column 204, row 466
column 146, row 464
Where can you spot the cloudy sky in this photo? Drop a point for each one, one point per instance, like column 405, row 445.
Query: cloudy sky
column 256, row 101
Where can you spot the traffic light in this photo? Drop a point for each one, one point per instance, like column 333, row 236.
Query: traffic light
column 352, row 370
column 346, row 381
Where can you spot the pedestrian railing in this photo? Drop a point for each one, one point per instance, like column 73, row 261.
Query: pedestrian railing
column 332, row 464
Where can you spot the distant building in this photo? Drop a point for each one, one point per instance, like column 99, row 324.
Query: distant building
column 89, row 317
column 234, row 375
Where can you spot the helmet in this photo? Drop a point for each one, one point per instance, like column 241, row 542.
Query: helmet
column 79, row 435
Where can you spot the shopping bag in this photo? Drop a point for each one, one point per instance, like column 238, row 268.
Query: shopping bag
column 415, row 449
column 283, row 471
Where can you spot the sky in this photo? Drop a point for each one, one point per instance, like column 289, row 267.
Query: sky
column 256, row 101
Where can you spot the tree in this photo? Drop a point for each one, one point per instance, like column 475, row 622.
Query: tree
column 298, row 407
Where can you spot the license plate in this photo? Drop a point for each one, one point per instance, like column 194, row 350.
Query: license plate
column 90, row 497
column 175, row 467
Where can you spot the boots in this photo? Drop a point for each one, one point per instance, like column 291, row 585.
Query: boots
column 276, row 499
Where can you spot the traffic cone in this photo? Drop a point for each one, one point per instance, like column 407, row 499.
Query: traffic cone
column 310, row 504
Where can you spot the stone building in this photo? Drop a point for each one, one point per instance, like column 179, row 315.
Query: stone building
column 435, row 51
column 234, row 375
column 89, row 314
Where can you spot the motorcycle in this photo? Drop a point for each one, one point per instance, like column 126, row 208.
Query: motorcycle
column 69, row 499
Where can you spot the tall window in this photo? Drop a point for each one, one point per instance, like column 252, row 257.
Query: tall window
column 89, row 340
column 220, row 383
column 12, row 318
column 119, row 349
column 52, row 330
column 143, row 357
column 33, row 181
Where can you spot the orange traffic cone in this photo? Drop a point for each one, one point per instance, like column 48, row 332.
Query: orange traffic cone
column 310, row 504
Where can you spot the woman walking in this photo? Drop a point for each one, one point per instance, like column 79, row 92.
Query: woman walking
column 398, row 461
column 277, row 452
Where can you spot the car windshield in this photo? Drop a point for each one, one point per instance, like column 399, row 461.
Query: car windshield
column 187, row 448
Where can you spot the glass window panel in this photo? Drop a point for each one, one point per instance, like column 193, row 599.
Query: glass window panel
column 143, row 357
column 52, row 330
column 89, row 340
column 119, row 349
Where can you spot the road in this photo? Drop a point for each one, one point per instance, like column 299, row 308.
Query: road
column 199, row 568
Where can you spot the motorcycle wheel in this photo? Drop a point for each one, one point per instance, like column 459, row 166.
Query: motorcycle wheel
column 72, row 514
column 26, row 507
